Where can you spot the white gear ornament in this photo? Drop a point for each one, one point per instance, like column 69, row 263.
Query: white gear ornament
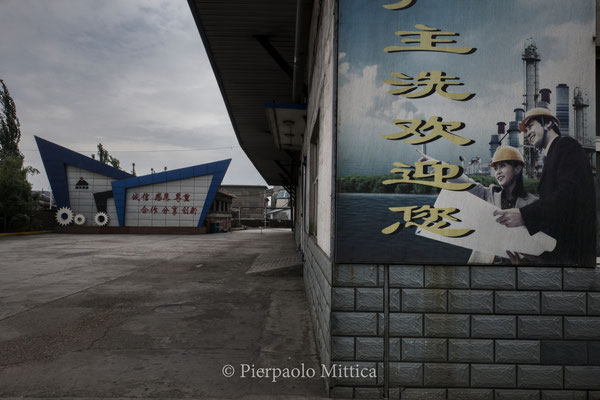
column 101, row 218
column 79, row 219
column 64, row 216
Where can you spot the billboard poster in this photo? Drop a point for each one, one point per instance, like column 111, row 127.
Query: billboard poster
column 466, row 132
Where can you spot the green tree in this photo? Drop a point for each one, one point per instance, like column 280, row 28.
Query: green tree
column 114, row 162
column 102, row 154
column 106, row 158
column 16, row 200
column 10, row 128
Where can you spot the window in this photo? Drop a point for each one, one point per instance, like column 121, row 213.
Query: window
column 313, row 180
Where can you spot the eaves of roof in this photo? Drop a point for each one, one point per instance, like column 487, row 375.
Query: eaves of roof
column 247, row 75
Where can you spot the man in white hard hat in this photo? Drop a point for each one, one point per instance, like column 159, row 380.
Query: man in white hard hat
column 566, row 208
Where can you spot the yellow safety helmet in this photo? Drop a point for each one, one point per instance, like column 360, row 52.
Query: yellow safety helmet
column 507, row 153
column 538, row 112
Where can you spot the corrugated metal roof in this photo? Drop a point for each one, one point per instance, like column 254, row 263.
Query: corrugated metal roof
column 247, row 75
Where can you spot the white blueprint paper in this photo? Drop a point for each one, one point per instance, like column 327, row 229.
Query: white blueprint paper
column 489, row 236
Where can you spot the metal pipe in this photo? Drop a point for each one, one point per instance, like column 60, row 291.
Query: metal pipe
column 303, row 15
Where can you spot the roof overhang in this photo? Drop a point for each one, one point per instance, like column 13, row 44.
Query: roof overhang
column 287, row 123
column 251, row 49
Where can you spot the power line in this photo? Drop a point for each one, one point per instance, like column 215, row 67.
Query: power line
column 151, row 151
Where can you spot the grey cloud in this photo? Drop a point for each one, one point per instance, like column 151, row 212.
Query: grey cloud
column 125, row 73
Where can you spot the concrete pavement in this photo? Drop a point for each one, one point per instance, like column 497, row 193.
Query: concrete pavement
column 152, row 316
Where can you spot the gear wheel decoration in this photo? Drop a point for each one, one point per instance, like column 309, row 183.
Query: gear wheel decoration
column 101, row 218
column 64, row 216
column 79, row 219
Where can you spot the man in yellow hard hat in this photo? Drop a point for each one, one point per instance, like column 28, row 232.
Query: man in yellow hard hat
column 566, row 208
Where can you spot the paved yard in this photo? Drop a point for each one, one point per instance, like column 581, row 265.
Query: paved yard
column 150, row 316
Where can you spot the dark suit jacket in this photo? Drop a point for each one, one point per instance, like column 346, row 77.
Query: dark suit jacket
column 566, row 209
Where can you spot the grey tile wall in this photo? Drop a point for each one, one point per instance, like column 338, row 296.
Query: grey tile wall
column 468, row 332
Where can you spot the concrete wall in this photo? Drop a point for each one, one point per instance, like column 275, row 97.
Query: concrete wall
column 250, row 199
column 317, row 249
column 468, row 332
column 320, row 106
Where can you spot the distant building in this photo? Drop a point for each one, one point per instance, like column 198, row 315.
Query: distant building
column 280, row 208
column 249, row 204
column 44, row 199
column 219, row 215
column 90, row 193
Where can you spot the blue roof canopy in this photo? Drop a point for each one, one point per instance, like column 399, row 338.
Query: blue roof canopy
column 55, row 159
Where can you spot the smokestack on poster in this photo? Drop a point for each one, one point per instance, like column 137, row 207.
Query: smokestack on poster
column 544, row 99
column 495, row 139
column 531, row 59
column 579, row 104
column 562, row 108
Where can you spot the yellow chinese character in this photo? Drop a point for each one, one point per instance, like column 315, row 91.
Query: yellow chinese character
column 434, row 127
column 400, row 5
column 441, row 173
column 434, row 81
column 433, row 220
column 427, row 40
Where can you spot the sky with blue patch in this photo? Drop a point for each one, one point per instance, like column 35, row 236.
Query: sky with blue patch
column 499, row 30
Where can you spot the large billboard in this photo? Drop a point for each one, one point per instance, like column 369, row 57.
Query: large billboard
column 466, row 132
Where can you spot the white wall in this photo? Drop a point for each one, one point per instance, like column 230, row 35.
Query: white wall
column 320, row 105
column 82, row 200
column 141, row 200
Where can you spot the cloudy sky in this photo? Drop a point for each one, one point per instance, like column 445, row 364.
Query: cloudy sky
column 563, row 32
column 132, row 75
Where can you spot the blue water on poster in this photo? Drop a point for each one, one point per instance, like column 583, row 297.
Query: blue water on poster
column 362, row 216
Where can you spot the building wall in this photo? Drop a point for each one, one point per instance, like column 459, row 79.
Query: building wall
column 219, row 213
column 139, row 209
column 250, row 199
column 82, row 200
column 146, row 205
column 468, row 332
column 320, row 113
column 222, row 219
column 438, row 332
column 317, row 249
column 317, row 280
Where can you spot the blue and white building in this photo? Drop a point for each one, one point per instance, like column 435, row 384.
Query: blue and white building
column 92, row 193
